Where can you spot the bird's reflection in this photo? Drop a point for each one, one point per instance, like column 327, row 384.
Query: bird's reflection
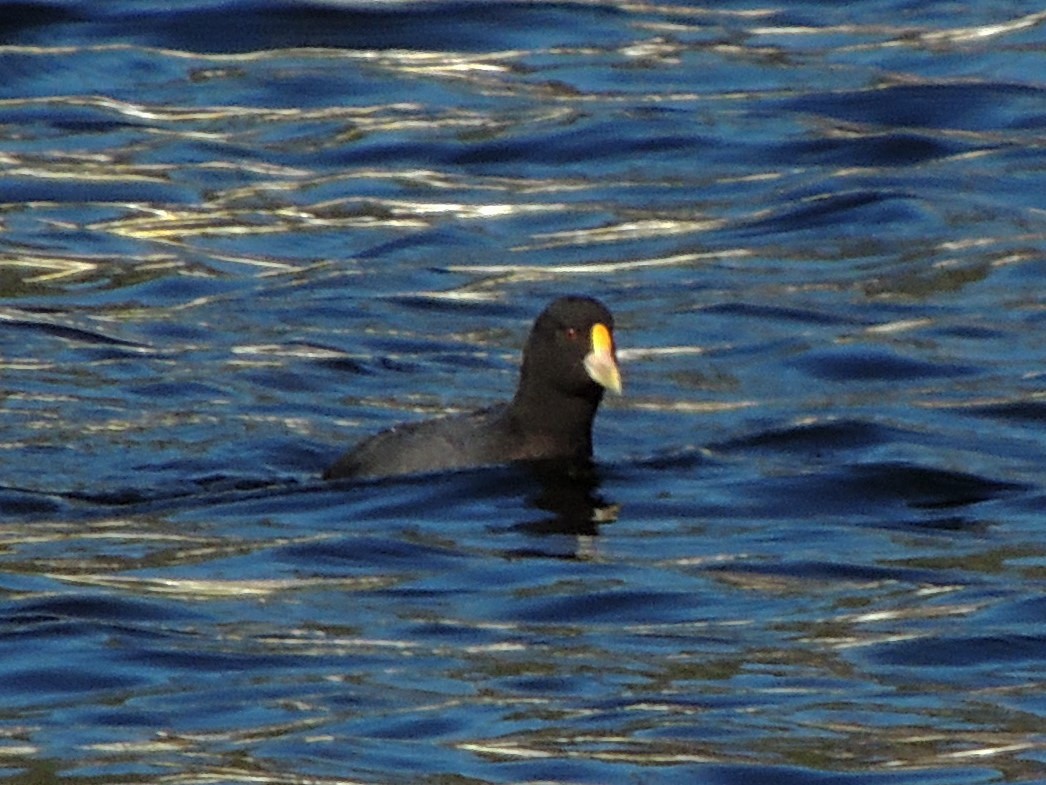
column 567, row 493
column 557, row 505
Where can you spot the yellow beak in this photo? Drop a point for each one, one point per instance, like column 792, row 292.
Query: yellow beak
column 600, row 363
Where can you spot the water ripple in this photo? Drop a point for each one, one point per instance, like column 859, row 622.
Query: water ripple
column 239, row 236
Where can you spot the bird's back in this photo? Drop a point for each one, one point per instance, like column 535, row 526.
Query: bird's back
column 454, row 442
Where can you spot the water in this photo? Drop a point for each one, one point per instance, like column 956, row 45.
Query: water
column 238, row 237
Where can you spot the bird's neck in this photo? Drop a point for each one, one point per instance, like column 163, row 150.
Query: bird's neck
column 554, row 418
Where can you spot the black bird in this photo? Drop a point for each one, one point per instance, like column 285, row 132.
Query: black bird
column 568, row 361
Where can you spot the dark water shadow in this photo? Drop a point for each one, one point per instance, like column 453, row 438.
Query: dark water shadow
column 866, row 364
column 974, row 107
column 892, row 494
column 832, row 468
column 248, row 25
column 28, row 504
column 819, row 437
column 23, row 320
column 836, row 212
column 832, row 471
column 914, row 485
column 1026, row 412
column 539, row 499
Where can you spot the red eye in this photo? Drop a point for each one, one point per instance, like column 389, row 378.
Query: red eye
column 572, row 333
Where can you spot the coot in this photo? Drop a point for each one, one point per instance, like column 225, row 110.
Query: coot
column 568, row 361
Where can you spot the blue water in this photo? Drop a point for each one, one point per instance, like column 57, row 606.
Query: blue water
column 237, row 237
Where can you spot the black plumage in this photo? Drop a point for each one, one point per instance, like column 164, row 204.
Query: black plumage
column 568, row 361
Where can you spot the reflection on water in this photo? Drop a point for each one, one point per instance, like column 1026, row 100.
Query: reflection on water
column 234, row 240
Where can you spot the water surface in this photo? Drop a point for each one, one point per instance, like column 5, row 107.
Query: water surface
column 236, row 237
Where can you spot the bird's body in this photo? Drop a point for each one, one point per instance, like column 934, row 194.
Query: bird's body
column 479, row 438
column 568, row 360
